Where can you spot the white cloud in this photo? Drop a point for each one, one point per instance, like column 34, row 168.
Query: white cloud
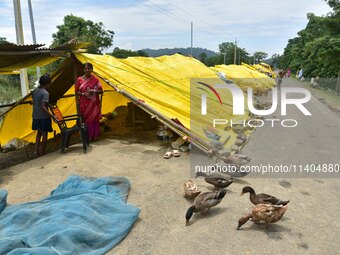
column 260, row 25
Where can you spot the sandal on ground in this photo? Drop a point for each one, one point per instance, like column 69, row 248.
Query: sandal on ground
column 176, row 153
column 168, row 154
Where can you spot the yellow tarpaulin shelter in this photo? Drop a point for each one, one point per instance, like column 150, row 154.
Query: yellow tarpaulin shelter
column 245, row 77
column 164, row 85
column 161, row 86
column 266, row 69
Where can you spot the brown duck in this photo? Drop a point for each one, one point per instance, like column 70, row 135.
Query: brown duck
column 264, row 213
column 190, row 189
column 204, row 202
column 219, row 180
column 262, row 198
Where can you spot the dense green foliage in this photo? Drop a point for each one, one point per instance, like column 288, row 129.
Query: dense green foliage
column 226, row 55
column 317, row 47
column 259, row 56
column 121, row 53
column 274, row 61
column 84, row 31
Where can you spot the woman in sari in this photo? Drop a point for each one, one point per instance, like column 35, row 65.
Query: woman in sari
column 88, row 89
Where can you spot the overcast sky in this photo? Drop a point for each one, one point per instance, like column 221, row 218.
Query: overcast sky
column 259, row 25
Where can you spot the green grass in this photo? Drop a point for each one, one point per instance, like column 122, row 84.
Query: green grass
column 10, row 90
column 326, row 95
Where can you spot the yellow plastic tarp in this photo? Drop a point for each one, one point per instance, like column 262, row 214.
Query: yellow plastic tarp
column 265, row 69
column 165, row 84
column 18, row 121
column 245, row 77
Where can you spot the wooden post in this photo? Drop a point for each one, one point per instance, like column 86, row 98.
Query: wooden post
column 75, row 76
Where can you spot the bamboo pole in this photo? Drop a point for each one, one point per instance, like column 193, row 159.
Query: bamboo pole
column 180, row 130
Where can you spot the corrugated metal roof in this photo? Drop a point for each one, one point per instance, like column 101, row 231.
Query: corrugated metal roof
column 38, row 47
column 14, row 57
column 14, row 47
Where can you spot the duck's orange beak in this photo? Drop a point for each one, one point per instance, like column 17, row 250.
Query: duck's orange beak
column 241, row 193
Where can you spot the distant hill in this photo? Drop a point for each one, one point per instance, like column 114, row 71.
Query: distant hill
column 184, row 51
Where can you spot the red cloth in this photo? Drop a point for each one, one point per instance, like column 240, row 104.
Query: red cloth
column 89, row 104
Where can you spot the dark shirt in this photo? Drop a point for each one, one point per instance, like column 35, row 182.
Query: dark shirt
column 39, row 95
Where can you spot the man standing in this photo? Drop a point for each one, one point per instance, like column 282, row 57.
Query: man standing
column 301, row 74
column 41, row 115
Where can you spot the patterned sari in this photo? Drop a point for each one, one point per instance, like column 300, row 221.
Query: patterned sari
column 90, row 104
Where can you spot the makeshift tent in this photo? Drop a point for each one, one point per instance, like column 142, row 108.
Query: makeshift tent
column 160, row 86
column 266, row 66
column 17, row 120
column 245, row 77
column 266, row 69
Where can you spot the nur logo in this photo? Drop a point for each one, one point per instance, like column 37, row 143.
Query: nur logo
column 239, row 99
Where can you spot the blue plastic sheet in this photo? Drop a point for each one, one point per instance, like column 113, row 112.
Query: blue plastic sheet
column 85, row 216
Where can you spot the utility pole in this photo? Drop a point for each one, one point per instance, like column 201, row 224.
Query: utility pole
column 192, row 34
column 20, row 41
column 224, row 54
column 235, row 50
column 33, row 31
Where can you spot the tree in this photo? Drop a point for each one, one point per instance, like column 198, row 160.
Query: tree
column 3, row 40
column 121, row 53
column 202, row 57
column 214, row 60
column 226, row 55
column 335, row 4
column 317, row 47
column 84, row 31
column 259, row 56
column 227, row 50
column 275, row 60
column 243, row 56
column 334, row 26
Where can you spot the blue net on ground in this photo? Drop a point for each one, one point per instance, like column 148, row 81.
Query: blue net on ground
column 83, row 215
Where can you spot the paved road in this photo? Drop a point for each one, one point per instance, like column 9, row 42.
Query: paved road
column 314, row 141
column 310, row 225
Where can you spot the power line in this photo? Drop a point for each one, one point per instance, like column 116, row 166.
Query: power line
column 169, row 14
column 163, row 11
column 196, row 17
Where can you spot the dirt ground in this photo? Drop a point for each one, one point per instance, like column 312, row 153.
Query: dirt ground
column 310, row 225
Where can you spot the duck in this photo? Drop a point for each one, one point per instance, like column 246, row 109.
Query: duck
column 236, row 159
column 190, row 189
column 219, row 180
column 264, row 213
column 262, row 198
column 204, row 202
